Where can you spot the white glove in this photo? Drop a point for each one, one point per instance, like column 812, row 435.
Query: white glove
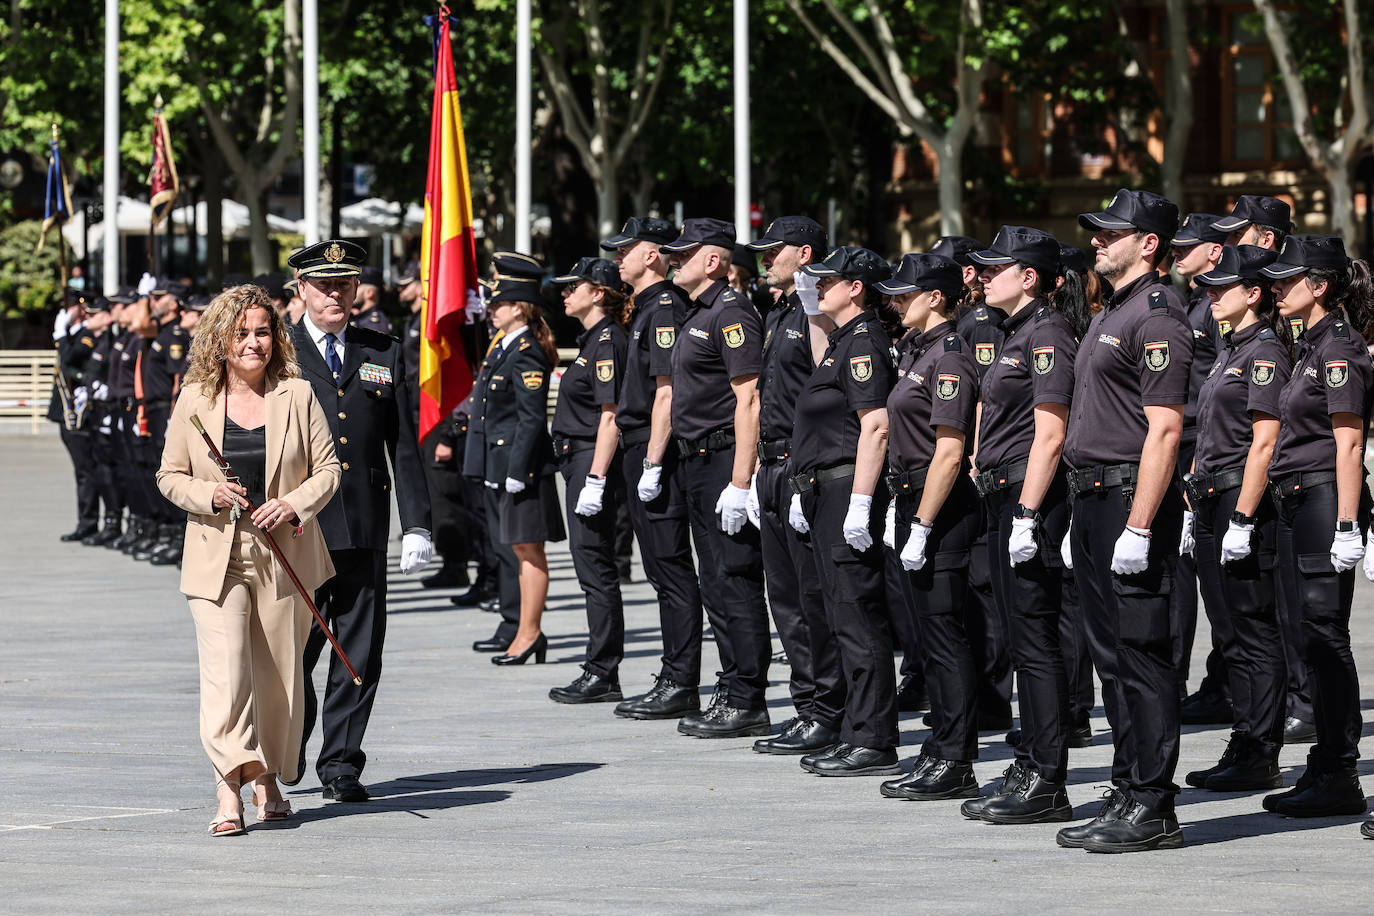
column 752, row 504
column 146, row 284
column 810, row 297
column 1347, row 549
column 1235, row 544
column 514, row 486
column 1186, row 541
column 730, row 508
column 649, row 486
column 856, row 533
column 416, row 552
column 491, row 486
column 589, row 500
column 1132, row 552
column 890, row 526
column 913, row 555
column 1369, row 565
column 796, row 518
column 61, row 325
column 1021, row 546
column 1066, row 549
column 475, row 307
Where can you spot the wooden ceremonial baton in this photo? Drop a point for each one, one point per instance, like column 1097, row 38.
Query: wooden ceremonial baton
column 276, row 552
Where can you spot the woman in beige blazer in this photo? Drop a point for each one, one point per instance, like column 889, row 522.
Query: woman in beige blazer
column 251, row 624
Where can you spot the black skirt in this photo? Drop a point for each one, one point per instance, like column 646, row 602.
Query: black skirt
column 532, row 515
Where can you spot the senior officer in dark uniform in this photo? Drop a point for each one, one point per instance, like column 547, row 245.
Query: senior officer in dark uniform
column 1131, row 377
column 794, row 341
column 163, row 365
column 715, row 420
column 359, row 377
column 651, row 466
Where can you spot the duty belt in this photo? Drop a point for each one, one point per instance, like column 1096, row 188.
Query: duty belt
column 711, row 442
column 564, row 447
column 803, row 483
column 1202, row 487
column 906, row 482
column 772, row 451
column 1001, row 477
column 1293, row 484
column 634, row 436
column 156, row 405
column 1102, row 477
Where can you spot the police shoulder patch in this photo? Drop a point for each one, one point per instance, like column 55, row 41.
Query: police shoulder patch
column 532, row 378
column 1337, row 373
column 1262, row 371
column 1157, row 355
column 734, row 335
column 665, row 337
column 176, row 351
column 1043, row 359
column 861, row 367
column 947, row 386
column 984, row 353
column 88, row 341
column 605, row 370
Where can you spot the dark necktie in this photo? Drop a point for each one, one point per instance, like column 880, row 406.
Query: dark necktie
column 331, row 356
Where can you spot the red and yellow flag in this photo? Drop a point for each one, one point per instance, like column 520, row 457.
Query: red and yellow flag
column 448, row 254
column 163, row 181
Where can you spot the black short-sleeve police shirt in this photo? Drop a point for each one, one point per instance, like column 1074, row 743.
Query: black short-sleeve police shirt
column 1205, row 337
column 984, row 330
column 1035, row 367
column 1137, row 353
column 1246, row 378
column 938, row 387
column 1332, row 375
column 855, row 374
column 592, row 379
column 720, row 341
column 653, row 333
column 164, row 360
column 787, row 364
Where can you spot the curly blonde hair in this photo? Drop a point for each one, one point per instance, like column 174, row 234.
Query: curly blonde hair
column 218, row 329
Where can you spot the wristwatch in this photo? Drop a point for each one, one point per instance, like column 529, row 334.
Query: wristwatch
column 1240, row 518
column 649, row 464
column 1023, row 512
column 1345, row 525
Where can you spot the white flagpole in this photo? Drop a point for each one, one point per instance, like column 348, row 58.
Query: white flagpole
column 111, row 226
column 742, row 158
column 522, row 126
column 310, row 158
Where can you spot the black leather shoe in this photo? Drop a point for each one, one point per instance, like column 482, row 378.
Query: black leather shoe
column 1253, row 770
column 1137, row 829
column 810, row 760
column 1367, row 830
column 942, row 779
column 725, row 721
column 491, row 605
column 588, row 688
column 450, row 575
column 893, row 787
column 665, row 700
column 345, row 789
column 106, row 535
column 128, row 537
column 804, row 737
column 160, row 539
column 1329, row 795
column 80, row 532
column 1034, row 801
column 911, row 695
column 1009, row 781
column 1114, row 802
column 1298, row 731
column 539, row 649
column 859, row 761
column 1271, row 802
column 169, row 554
column 472, row 597
column 495, row 644
column 780, row 658
column 1198, row 778
column 1206, row 709
column 1080, row 736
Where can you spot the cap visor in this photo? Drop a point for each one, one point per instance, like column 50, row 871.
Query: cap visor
column 1279, row 271
column 894, row 287
column 1185, row 241
column 331, row 270
column 1216, row 278
column 677, row 247
column 1229, row 224
column 819, row 270
column 617, row 241
column 1102, row 221
column 565, row 279
column 990, row 257
column 764, row 244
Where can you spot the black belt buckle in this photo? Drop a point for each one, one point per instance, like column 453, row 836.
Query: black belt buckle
column 802, row 483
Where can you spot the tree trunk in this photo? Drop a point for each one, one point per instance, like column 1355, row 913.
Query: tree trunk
column 1180, row 107
column 259, row 245
column 608, row 201
column 951, row 184
column 1342, row 203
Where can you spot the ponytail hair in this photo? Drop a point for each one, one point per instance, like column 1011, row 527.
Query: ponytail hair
column 888, row 316
column 534, row 317
column 1267, row 311
column 617, row 303
column 1071, row 300
column 1353, row 291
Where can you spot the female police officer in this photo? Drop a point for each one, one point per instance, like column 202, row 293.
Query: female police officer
column 1026, row 396
column 839, row 436
column 585, row 440
column 1316, row 479
column 931, row 413
column 1234, row 521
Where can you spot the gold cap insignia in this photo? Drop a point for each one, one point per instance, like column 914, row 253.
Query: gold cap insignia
column 334, row 253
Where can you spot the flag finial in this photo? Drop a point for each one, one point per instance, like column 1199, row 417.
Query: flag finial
column 157, row 101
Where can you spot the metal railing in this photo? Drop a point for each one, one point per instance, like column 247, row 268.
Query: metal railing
column 26, row 386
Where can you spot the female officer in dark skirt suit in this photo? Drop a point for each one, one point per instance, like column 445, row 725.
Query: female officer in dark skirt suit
column 519, row 455
column 1026, row 396
column 1233, row 518
column 1316, row 478
column 839, row 437
column 931, row 422
column 585, row 439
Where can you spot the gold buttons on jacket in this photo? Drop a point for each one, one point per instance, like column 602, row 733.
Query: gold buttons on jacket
column 340, row 392
column 342, row 415
column 343, row 440
column 345, row 465
column 500, row 441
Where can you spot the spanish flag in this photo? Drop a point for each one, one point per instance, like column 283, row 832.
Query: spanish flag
column 448, row 255
column 163, row 181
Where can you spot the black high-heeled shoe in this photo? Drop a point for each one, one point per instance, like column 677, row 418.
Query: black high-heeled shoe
column 539, row 649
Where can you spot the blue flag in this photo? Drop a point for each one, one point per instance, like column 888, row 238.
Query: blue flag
column 57, row 207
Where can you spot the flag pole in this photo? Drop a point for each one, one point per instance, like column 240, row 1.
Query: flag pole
column 523, row 168
column 743, row 229
column 310, row 115
column 110, row 255
column 152, row 219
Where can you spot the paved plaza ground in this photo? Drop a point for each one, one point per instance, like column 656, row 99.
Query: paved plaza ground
column 490, row 797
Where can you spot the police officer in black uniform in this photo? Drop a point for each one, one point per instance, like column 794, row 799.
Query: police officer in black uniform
column 103, row 421
column 716, row 362
column 163, row 365
column 795, row 339
column 585, row 441
column 69, row 409
column 1131, row 377
column 1234, row 521
column 124, row 383
column 359, row 377
column 1317, row 479
column 368, row 306
column 838, row 442
column 1257, row 220
column 937, row 517
column 650, row 466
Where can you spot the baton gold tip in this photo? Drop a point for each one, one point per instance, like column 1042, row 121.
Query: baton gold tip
column 358, row 681
column 195, row 421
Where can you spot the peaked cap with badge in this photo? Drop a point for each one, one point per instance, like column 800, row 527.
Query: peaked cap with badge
column 330, row 258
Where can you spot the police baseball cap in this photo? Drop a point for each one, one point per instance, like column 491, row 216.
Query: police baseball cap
column 600, row 271
column 98, row 304
column 745, row 258
column 292, row 286
column 1199, row 228
column 330, row 258
column 202, row 302
column 1301, row 253
column 515, row 264
column 371, row 276
column 124, row 295
column 514, row 289
column 273, row 283
column 1145, row 211
column 702, row 231
column 860, row 264
column 1254, row 208
column 642, row 229
column 1074, row 259
column 1022, row 245
column 792, row 230
column 408, row 276
column 924, row 272
column 958, row 248
column 1237, row 263
column 169, row 287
